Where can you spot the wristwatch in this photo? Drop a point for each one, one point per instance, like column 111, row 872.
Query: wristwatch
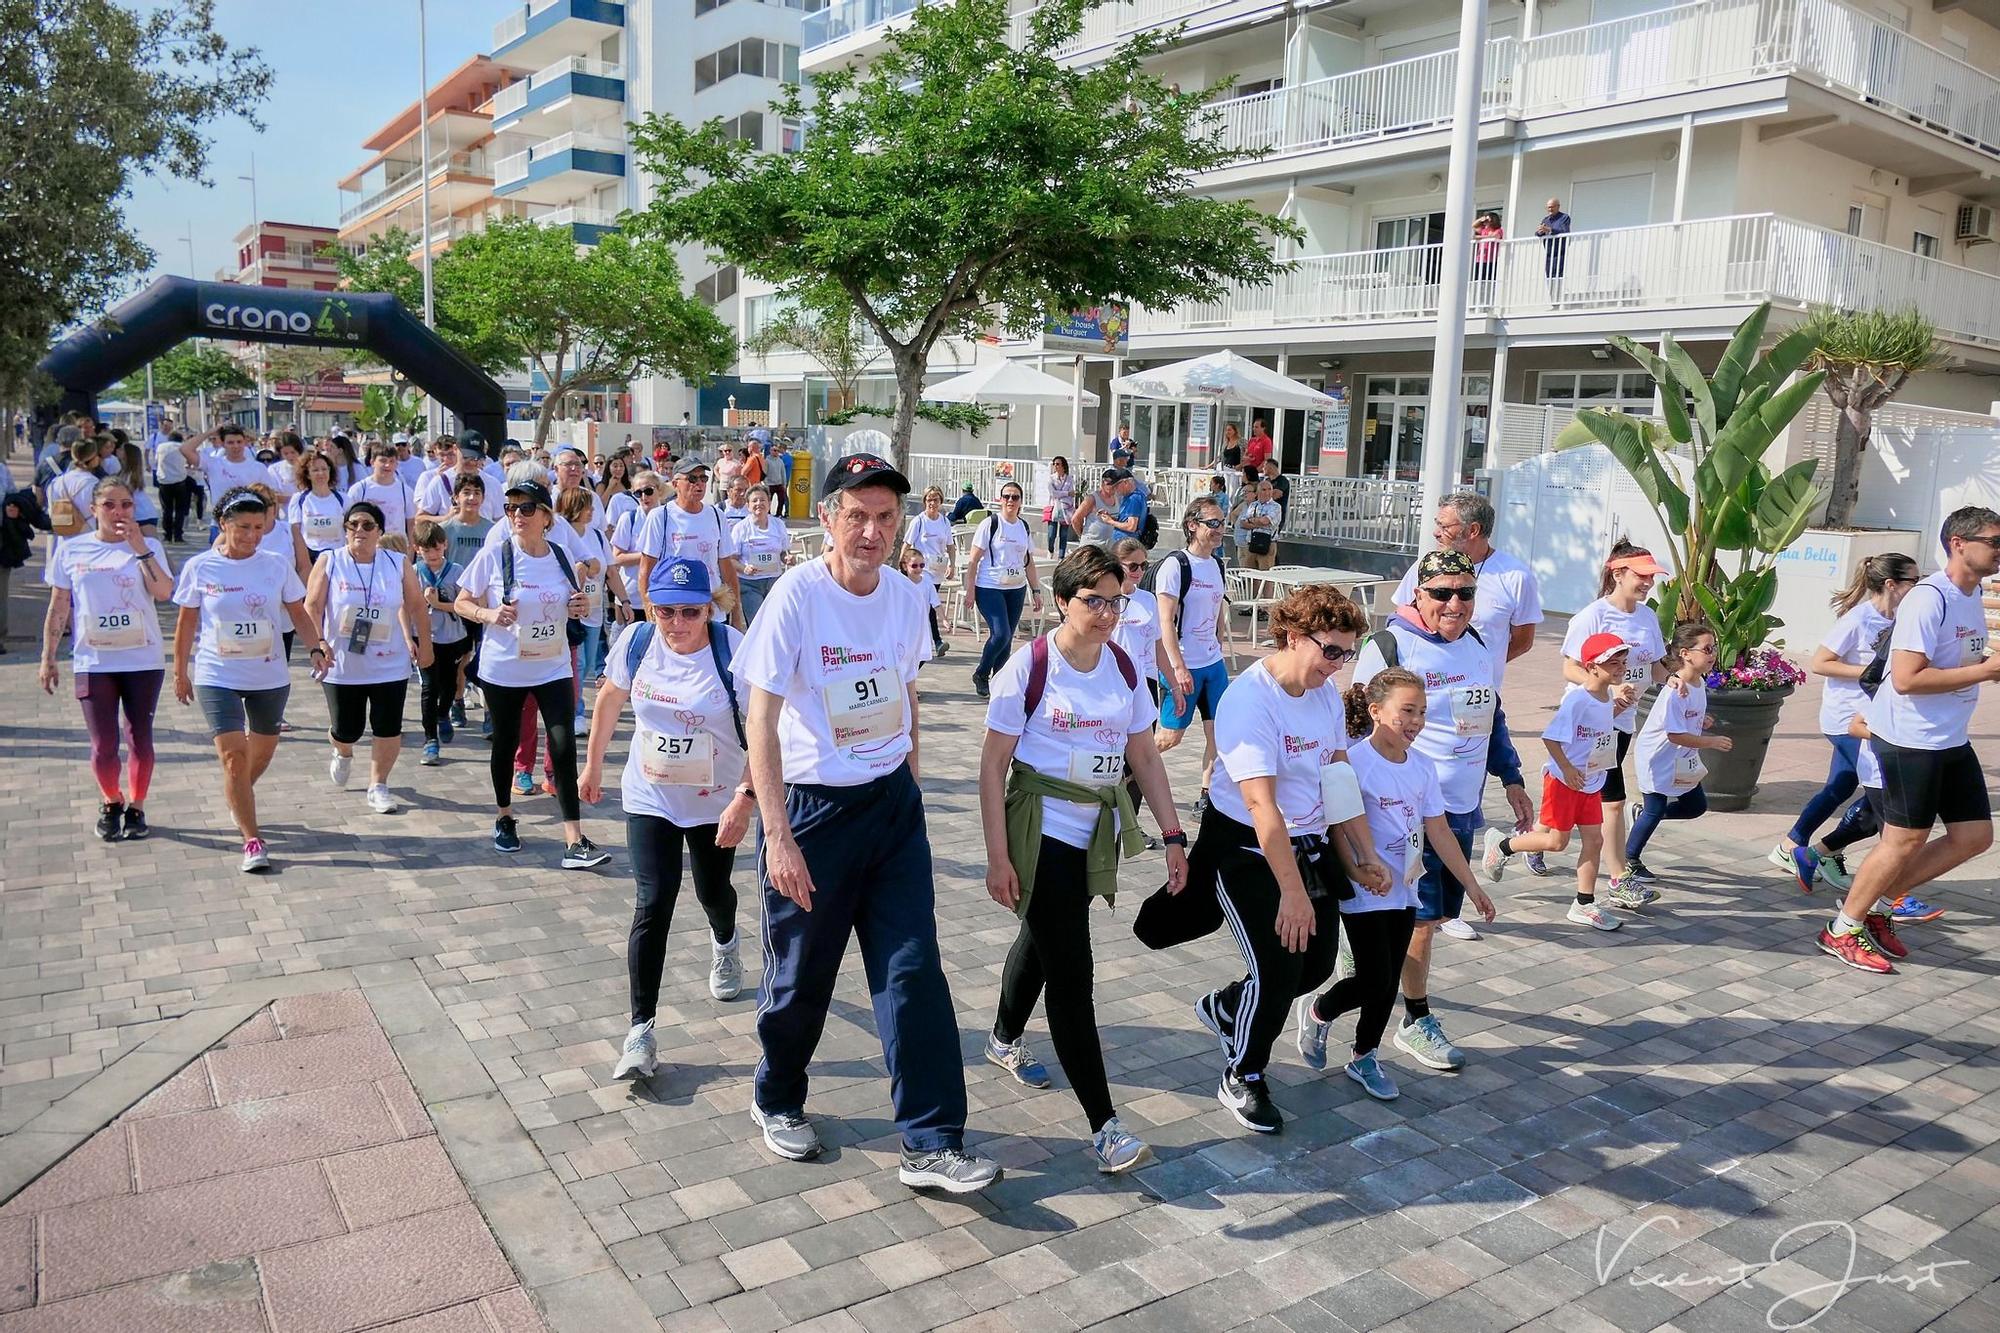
column 1174, row 838
column 744, row 790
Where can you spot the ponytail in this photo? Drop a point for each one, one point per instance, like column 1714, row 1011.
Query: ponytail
column 1685, row 636
column 1870, row 577
column 1358, row 699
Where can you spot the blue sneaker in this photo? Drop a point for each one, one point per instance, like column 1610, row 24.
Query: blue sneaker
column 458, row 713
column 1312, row 1035
column 1536, row 864
column 430, row 759
column 524, row 783
column 445, row 732
column 1015, row 1058
column 505, row 836
column 1805, row 867
column 1911, row 908
column 486, row 727
column 1374, row 1080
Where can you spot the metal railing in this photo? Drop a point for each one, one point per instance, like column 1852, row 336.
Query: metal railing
column 844, row 18
column 1111, row 21
column 950, row 472
column 508, row 100
column 1401, row 97
column 575, row 215
column 1372, row 513
column 1689, row 46
column 473, row 161
column 510, row 169
column 602, row 69
column 1878, row 63
column 582, row 139
column 511, row 28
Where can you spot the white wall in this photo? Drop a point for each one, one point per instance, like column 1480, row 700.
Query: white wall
column 1913, row 478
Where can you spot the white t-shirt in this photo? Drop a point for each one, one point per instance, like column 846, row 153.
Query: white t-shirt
column 927, row 593
column 594, row 548
column 1948, row 627
column 1199, row 608
column 1867, row 768
column 620, row 504
column 394, row 499
column 221, row 475
column 843, row 665
column 371, row 593
column 671, row 532
column 1261, row 731
column 1078, row 733
column 762, row 551
column 625, row 530
column 1004, row 550
column 1851, row 640
column 116, row 626
column 1138, row 631
column 433, row 494
column 559, row 533
column 277, row 539
column 284, row 479
column 79, row 487
column 242, row 605
column 318, row 517
column 169, row 463
column 411, row 469
column 685, row 763
column 1661, row 765
column 535, row 649
column 1459, row 703
column 1396, row 798
column 1639, row 628
column 1582, row 726
column 932, row 536
column 1508, row 596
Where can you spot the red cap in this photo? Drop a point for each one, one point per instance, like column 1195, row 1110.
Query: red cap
column 1639, row 562
column 1600, row 647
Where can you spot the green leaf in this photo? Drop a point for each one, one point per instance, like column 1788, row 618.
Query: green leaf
column 1687, row 373
column 1787, row 505
column 1785, row 357
column 1742, row 442
column 1671, row 407
column 1631, row 441
column 1737, row 359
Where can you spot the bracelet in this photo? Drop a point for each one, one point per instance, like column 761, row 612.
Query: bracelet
column 744, row 790
column 1174, row 838
column 316, row 649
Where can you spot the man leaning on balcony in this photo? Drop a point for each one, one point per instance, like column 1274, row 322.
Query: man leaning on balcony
column 1554, row 231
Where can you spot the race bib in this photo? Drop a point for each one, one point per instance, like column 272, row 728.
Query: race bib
column 593, row 592
column 677, row 761
column 1689, row 771
column 1009, row 576
column 351, row 616
column 322, row 531
column 1603, row 753
column 1472, row 710
column 540, row 640
column 1638, row 673
column 243, row 638
column 763, row 564
column 1095, row 768
column 864, row 709
column 116, row 629
column 1413, row 856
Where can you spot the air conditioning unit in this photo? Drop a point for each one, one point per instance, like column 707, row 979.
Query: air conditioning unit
column 1976, row 224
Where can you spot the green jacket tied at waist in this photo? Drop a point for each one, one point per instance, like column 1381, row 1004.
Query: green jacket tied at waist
column 1025, row 789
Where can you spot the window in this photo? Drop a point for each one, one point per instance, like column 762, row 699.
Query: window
column 749, row 125
column 791, row 137
column 1924, row 244
column 753, row 56
column 718, row 286
column 1625, row 391
column 1925, row 240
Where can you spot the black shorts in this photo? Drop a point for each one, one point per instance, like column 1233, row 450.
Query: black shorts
column 1614, row 779
column 1925, row 787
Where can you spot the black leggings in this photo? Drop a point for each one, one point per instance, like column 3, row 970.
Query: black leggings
column 655, row 848
column 441, row 682
column 935, row 636
column 556, row 701
column 1379, row 941
column 1052, row 950
column 348, row 707
column 1858, row 823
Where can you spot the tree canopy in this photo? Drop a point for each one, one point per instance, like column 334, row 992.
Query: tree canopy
column 962, row 182
column 1868, row 357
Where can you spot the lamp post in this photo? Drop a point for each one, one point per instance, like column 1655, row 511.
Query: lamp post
column 201, row 395
column 1443, row 445
column 424, row 187
column 257, row 240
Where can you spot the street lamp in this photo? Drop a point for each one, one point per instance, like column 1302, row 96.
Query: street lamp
column 424, row 186
column 257, row 241
column 201, row 395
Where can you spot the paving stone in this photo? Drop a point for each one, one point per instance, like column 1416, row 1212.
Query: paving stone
column 395, row 1180
column 198, row 1145
column 414, row 1264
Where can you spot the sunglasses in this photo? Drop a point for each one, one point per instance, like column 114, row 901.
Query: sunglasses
column 364, row 525
column 1006, row 498
column 1209, row 523
column 642, row 490
column 1333, row 652
column 1136, row 566
column 1097, row 606
column 1983, row 540
column 687, row 613
column 527, row 508
column 1446, row 594
column 695, row 479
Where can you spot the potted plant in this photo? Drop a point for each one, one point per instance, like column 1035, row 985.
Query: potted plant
column 1727, row 517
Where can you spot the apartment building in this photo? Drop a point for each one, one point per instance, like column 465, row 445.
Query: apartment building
column 1709, row 155
column 594, row 66
column 284, row 254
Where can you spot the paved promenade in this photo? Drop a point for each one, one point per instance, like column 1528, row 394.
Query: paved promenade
column 384, row 1093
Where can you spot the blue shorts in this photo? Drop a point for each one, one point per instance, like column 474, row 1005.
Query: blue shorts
column 1439, row 894
column 1209, row 683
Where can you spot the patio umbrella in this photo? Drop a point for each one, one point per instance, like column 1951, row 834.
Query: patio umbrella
column 1221, row 378
column 1013, row 383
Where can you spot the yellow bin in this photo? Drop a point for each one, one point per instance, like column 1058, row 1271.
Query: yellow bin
column 802, row 482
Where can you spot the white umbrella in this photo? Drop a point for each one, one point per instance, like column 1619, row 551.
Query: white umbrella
column 1221, row 377
column 1011, row 382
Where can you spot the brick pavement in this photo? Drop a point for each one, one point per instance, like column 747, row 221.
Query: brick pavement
column 1703, row 1075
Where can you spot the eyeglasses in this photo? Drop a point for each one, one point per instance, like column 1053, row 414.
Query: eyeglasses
column 1097, row 606
column 527, row 508
column 642, row 490
column 694, row 479
column 1983, row 540
column 1136, row 566
column 687, row 613
column 1446, row 594
column 913, row 564
column 1332, row 652
column 364, row 525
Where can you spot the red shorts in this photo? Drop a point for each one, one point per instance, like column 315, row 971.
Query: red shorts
column 1565, row 808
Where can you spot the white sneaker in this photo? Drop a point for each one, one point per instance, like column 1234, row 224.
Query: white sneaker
column 381, row 800
column 639, row 1057
column 1459, row 930
column 725, row 968
column 1490, row 858
column 1590, row 914
column 1781, row 857
column 338, row 767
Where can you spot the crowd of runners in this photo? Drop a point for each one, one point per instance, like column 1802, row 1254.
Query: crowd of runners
column 1335, row 833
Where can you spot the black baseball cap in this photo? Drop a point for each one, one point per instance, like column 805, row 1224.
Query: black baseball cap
column 533, row 490
column 862, row 470
column 1117, row 474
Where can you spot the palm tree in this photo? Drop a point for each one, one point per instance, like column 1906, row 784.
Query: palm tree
column 1868, row 356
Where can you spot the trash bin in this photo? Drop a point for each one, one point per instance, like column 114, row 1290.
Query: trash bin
column 802, row 483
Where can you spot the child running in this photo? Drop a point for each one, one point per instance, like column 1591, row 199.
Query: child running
column 1404, row 804
column 1668, row 757
column 1583, row 747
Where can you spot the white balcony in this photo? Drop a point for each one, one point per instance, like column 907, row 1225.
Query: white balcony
column 1110, row 22
column 575, row 215
column 847, row 18
column 510, row 169
column 473, row 163
column 508, row 100
column 511, row 28
column 602, row 69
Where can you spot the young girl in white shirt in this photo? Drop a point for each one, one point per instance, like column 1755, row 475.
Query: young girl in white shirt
column 1668, row 756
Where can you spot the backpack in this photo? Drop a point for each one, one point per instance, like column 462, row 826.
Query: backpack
column 718, row 648
column 1877, row 669
column 1186, row 563
column 1385, row 644
column 1149, row 531
column 574, row 631
column 66, row 516
column 1038, row 672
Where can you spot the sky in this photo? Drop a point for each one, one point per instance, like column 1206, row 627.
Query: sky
column 340, row 70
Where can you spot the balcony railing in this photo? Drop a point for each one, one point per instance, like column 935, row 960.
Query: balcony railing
column 1401, row 97
column 1710, row 262
column 1111, row 21
column 844, row 18
column 511, row 28
column 508, row 100
column 472, row 162
column 602, row 69
column 510, row 169
column 576, row 216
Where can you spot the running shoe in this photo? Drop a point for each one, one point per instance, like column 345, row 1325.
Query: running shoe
column 1537, row 864
column 524, row 784
column 1883, row 932
column 1374, row 1080
column 458, row 713
column 1312, row 1035
column 506, row 838
column 338, row 767
column 1623, row 893
column 1459, row 930
column 1153, row 844
column 1905, row 908
column 640, row 1056
column 431, row 757
column 953, row 1170
column 445, row 731
column 547, row 786
column 255, row 858
column 1491, row 859
column 135, row 824
column 939, row 649
column 787, row 1133
column 1015, row 1058
column 1249, row 1100
column 110, row 820
column 381, row 800
column 1118, row 1148
column 1635, row 870
column 1208, row 1009
column 1423, row 1040
column 486, row 726
column 1590, row 914
column 1781, row 857
column 725, row 969
column 1805, row 867
column 979, row 686
column 583, row 854
column 1854, row 948
column 1833, row 869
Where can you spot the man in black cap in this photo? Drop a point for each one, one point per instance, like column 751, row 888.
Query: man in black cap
column 688, row 528
column 455, row 459
column 830, row 665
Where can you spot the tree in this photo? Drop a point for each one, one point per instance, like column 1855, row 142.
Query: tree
column 386, row 410
column 962, row 183
column 1868, row 356
column 594, row 315
column 195, row 368
column 831, row 334
column 97, row 93
column 384, row 265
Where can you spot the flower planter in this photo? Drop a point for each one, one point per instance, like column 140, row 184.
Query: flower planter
column 1747, row 717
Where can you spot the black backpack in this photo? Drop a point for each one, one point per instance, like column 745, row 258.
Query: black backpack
column 1186, row 563
column 1149, row 531
column 1877, row 669
column 1385, row 644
